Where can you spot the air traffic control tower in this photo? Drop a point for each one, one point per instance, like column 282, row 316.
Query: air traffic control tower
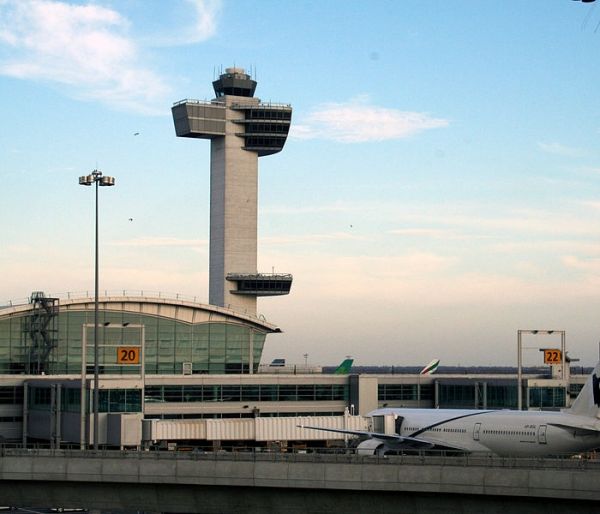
column 241, row 129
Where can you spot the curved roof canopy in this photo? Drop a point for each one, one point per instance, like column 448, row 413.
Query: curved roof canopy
column 179, row 310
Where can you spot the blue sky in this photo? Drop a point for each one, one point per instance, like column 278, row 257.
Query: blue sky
column 438, row 192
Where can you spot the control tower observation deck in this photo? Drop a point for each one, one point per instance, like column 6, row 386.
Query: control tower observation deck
column 241, row 129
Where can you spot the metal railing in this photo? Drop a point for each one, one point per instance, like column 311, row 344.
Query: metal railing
column 216, row 103
column 136, row 293
column 318, row 456
column 262, row 105
column 73, row 295
column 259, row 276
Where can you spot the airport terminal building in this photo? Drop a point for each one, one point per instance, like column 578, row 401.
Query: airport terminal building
column 175, row 370
column 198, row 367
column 189, row 361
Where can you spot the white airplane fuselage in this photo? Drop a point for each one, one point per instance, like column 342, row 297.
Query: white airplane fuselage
column 503, row 432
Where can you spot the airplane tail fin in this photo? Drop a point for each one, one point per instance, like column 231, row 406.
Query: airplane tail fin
column 344, row 367
column 431, row 367
column 587, row 402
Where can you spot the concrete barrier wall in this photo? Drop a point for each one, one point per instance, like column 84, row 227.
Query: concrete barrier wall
column 568, row 479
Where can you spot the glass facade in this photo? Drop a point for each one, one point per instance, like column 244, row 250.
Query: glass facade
column 501, row 396
column 238, row 415
column 211, row 347
column 39, row 398
column 120, row 400
column 395, row 392
column 110, row 400
column 246, row 393
column 11, row 395
column 11, row 419
column 547, row 397
column 575, row 389
column 456, row 396
column 70, row 399
column 478, row 395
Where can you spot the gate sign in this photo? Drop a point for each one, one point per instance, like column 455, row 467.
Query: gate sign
column 128, row 354
column 552, row 356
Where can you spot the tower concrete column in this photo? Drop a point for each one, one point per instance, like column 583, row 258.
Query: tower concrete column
column 233, row 212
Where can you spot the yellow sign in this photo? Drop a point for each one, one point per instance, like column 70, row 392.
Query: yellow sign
column 552, row 356
column 128, row 355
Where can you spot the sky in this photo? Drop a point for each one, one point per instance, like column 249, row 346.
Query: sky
column 438, row 192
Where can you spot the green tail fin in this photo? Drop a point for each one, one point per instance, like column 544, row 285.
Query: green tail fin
column 344, row 367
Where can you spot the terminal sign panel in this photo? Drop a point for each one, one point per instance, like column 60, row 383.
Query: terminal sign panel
column 552, row 356
column 128, row 355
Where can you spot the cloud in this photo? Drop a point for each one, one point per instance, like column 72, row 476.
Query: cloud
column 530, row 222
column 499, row 228
column 559, row 149
column 169, row 281
column 588, row 171
column 378, row 278
column 589, row 265
column 205, row 25
column 83, row 47
column 312, row 238
column 546, row 247
column 357, row 121
column 300, row 131
column 160, row 241
column 309, row 209
column 594, row 205
column 433, row 233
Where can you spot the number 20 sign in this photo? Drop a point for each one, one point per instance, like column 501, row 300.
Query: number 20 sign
column 128, row 355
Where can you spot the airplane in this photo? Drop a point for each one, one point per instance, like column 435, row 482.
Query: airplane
column 430, row 368
column 502, row 432
column 344, row 367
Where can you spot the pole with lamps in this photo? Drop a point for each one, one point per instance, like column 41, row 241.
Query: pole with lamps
column 563, row 351
column 97, row 178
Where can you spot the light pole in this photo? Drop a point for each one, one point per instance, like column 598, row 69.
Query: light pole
column 98, row 179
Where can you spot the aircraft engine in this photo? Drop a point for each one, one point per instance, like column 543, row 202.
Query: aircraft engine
column 372, row 447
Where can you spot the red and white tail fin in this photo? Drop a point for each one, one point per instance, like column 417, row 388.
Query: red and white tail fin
column 431, row 367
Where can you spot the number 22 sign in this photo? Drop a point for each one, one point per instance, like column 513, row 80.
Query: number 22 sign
column 552, row 357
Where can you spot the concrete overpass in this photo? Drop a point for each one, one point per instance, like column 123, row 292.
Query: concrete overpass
column 274, row 482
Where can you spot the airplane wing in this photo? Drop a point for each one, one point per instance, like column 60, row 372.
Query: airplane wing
column 369, row 435
column 577, row 430
column 395, row 440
